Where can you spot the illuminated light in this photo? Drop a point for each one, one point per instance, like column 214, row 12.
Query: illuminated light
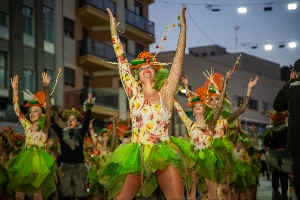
column 183, row 91
column 292, row 6
column 292, row 44
column 242, row 9
column 268, row 47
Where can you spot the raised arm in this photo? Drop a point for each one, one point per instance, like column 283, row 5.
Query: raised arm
column 242, row 109
column 14, row 84
column 46, row 81
column 87, row 106
column 184, row 118
column 219, row 106
column 170, row 86
column 92, row 132
column 129, row 83
column 114, row 135
column 255, row 140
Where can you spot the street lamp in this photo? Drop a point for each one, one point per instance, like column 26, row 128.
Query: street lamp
column 292, row 6
column 292, row 45
column 268, row 47
column 242, row 9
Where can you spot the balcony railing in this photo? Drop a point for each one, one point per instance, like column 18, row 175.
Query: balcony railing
column 96, row 48
column 106, row 97
column 100, row 4
column 139, row 22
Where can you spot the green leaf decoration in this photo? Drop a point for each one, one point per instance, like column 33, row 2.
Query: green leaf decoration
column 195, row 99
column 225, row 113
column 33, row 102
column 41, row 122
column 160, row 77
column 137, row 62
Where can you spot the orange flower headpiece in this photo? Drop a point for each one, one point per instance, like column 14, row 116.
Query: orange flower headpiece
column 38, row 99
column 88, row 142
column 199, row 96
column 277, row 116
column 145, row 57
column 214, row 84
column 122, row 129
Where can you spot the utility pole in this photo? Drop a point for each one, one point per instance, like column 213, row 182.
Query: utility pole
column 236, row 28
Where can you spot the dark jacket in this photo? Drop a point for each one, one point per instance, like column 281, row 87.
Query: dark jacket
column 288, row 98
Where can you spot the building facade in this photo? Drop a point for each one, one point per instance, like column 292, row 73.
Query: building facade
column 73, row 35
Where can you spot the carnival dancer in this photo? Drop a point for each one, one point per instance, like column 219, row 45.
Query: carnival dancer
column 102, row 152
column 279, row 160
column 72, row 171
column 6, row 146
column 221, row 146
column 150, row 159
column 200, row 133
column 30, row 171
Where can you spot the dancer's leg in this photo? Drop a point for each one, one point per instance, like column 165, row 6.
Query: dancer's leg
column 20, row 196
column 171, row 183
column 211, row 189
column 192, row 192
column 131, row 185
column 225, row 188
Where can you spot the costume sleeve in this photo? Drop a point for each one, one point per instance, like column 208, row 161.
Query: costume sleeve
column 56, row 128
column 238, row 111
column 129, row 83
column 267, row 139
column 171, row 84
column 280, row 103
column 86, row 123
column 218, row 109
column 48, row 111
column 92, row 132
column 25, row 123
column 184, row 118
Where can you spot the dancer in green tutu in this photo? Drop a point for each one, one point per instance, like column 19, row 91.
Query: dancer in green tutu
column 151, row 159
column 200, row 133
column 30, row 170
column 221, row 145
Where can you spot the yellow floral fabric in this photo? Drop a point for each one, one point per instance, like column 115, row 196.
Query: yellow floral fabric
column 219, row 131
column 33, row 138
column 150, row 122
column 200, row 137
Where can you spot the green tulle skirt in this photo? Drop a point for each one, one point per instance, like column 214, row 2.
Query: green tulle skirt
column 95, row 188
column 144, row 160
column 241, row 184
column 31, row 171
column 224, row 150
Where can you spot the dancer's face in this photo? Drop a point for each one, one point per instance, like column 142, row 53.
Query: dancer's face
column 198, row 109
column 72, row 122
column 105, row 137
column 89, row 152
column 35, row 112
column 213, row 101
column 146, row 72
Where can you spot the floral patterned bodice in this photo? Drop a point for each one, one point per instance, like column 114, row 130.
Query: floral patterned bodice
column 33, row 138
column 103, row 155
column 150, row 122
column 220, row 128
column 200, row 137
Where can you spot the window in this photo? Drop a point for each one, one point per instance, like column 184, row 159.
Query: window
column 27, row 20
column 29, row 80
column 238, row 101
column 48, row 24
column 138, row 49
column 3, row 19
column 3, row 69
column 69, row 77
column 253, row 104
column 138, row 9
column 267, row 105
column 86, row 81
column 69, row 27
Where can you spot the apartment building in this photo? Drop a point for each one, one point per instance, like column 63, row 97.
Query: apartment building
column 74, row 35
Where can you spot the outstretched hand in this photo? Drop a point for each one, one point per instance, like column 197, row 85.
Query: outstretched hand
column 45, row 79
column 182, row 17
column 14, row 82
column 252, row 83
column 185, row 80
column 114, row 24
column 252, row 127
column 89, row 97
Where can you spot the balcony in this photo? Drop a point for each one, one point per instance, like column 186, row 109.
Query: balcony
column 93, row 12
column 107, row 102
column 94, row 55
column 139, row 26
